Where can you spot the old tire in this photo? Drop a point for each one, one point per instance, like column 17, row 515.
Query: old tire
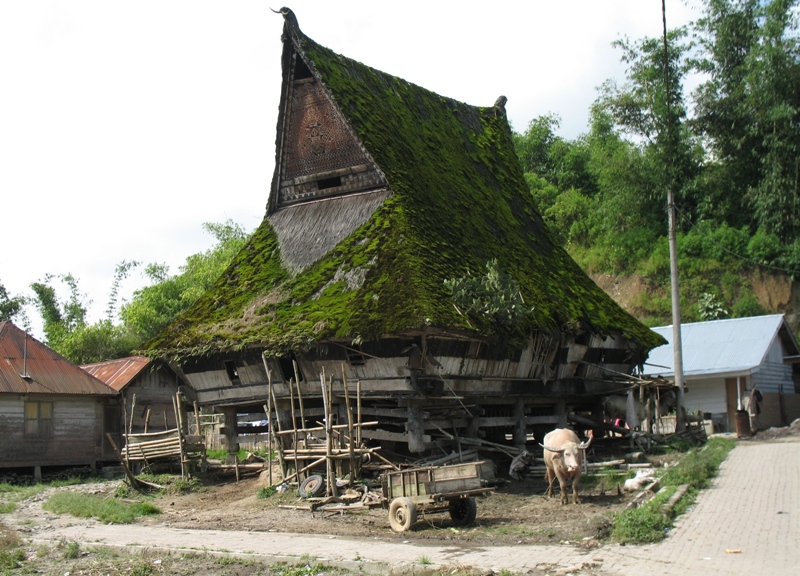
column 312, row 487
column 402, row 514
column 463, row 511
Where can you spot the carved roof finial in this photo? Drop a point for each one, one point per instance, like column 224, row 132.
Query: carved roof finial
column 288, row 17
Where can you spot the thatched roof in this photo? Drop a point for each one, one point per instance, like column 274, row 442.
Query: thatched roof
column 449, row 197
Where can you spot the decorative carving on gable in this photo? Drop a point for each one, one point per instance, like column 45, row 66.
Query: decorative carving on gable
column 320, row 155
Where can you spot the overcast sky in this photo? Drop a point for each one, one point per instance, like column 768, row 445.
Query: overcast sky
column 125, row 125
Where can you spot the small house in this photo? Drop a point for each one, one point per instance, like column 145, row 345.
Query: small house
column 52, row 413
column 726, row 361
column 147, row 389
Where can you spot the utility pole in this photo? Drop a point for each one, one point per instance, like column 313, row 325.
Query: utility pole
column 677, row 344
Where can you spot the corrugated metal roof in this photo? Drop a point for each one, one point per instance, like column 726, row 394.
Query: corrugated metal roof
column 29, row 367
column 731, row 346
column 117, row 373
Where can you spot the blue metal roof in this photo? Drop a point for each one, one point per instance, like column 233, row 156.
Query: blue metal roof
column 731, row 346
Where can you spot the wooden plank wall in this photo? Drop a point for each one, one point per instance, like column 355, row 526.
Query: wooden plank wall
column 77, row 433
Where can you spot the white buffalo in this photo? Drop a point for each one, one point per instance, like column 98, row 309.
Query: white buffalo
column 563, row 457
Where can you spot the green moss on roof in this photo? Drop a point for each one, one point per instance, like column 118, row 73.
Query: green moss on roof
column 460, row 200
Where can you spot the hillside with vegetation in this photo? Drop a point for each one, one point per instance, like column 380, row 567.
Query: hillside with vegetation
column 728, row 149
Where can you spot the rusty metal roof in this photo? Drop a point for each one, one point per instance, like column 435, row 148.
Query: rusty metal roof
column 118, row 373
column 29, row 367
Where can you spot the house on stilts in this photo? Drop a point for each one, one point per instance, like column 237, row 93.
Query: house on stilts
column 402, row 254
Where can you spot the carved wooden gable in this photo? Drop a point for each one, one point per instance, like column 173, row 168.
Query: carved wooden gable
column 320, row 155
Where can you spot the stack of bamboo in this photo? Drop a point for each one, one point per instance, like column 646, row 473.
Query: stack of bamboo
column 340, row 447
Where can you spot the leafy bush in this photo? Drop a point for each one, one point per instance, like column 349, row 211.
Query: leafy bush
column 265, row 492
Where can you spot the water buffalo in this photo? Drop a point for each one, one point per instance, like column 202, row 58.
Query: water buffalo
column 563, row 457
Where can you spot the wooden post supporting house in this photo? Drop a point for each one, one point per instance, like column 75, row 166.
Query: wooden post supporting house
column 230, row 433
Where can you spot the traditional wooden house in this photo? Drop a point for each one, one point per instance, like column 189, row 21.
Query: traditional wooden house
column 147, row 390
column 725, row 361
column 52, row 413
column 402, row 252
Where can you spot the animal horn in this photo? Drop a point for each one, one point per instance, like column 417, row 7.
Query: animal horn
column 585, row 445
column 550, row 449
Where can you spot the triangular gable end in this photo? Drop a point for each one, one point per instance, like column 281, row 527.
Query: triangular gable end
column 318, row 157
column 318, row 154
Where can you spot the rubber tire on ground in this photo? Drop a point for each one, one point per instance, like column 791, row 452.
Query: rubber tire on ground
column 463, row 511
column 402, row 514
column 312, row 487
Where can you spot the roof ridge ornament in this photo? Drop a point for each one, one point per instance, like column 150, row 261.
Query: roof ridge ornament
column 289, row 17
column 500, row 105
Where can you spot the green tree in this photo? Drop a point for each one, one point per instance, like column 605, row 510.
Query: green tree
column 749, row 111
column 154, row 307
column 10, row 306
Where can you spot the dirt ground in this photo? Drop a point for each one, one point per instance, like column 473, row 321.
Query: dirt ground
column 517, row 512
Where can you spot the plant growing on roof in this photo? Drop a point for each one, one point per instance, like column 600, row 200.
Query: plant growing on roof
column 494, row 296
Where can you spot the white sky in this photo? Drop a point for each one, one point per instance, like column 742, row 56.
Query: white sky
column 124, row 125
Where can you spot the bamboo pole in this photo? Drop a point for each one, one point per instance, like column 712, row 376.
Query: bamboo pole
column 358, row 401
column 278, row 444
column 268, row 410
column 299, row 394
column 350, row 439
column 294, row 424
column 133, row 412
column 331, row 481
column 146, row 420
column 197, row 418
column 179, row 420
column 125, row 432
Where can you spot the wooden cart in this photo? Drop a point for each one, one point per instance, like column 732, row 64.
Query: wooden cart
column 433, row 489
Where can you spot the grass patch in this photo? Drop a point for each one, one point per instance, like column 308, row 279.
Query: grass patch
column 9, row 539
column 103, row 508
column 649, row 523
column 71, row 550
column 11, row 559
column 284, row 569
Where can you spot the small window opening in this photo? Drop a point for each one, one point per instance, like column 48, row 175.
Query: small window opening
column 286, row 364
column 326, row 183
column 355, row 357
column 233, row 373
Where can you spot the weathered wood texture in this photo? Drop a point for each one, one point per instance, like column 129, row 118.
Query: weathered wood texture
column 154, row 391
column 77, row 437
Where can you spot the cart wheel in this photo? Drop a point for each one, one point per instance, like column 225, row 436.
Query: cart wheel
column 463, row 511
column 402, row 514
column 312, row 487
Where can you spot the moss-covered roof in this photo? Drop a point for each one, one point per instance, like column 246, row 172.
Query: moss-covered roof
column 459, row 200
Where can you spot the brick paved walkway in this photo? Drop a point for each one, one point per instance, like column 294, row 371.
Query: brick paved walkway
column 753, row 506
